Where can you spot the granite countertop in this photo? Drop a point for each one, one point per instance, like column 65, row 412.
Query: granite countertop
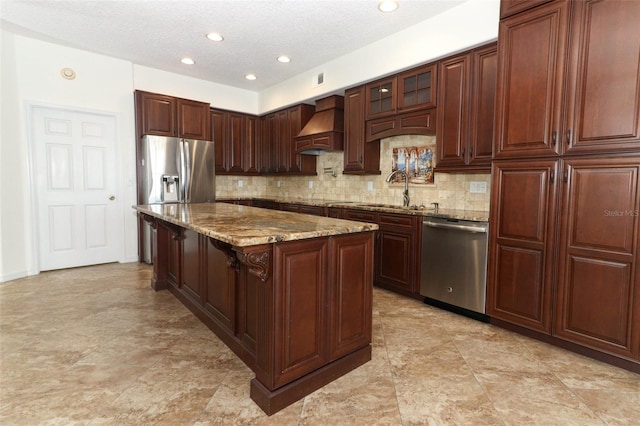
column 475, row 215
column 248, row 226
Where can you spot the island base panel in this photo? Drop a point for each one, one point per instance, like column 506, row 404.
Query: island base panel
column 273, row 401
column 248, row 295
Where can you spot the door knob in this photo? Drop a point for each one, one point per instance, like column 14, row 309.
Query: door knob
column 112, row 197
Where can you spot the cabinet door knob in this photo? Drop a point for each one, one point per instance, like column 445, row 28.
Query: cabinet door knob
column 554, row 137
column 112, row 197
column 569, row 137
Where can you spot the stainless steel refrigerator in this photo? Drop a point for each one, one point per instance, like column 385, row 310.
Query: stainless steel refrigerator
column 175, row 170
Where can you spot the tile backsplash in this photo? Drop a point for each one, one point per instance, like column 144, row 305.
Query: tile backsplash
column 450, row 190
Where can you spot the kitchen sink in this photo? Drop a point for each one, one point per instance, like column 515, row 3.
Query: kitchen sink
column 391, row 206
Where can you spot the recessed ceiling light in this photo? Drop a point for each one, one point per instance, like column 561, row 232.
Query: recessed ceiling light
column 284, row 59
column 187, row 61
column 387, row 6
column 250, row 76
column 215, row 37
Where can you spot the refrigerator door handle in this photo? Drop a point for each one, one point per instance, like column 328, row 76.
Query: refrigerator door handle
column 186, row 171
column 183, row 170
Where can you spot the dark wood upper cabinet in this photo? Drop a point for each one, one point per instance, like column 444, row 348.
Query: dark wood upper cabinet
column 193, row 120
column 278, row 132
column 170, row 116
column 466, row 110
column 219, row 130
column 156, row 114
column 417, row 88
column 297, row 117
column 269, row 148
column 587, row 104
column 252, row 152
column 603, row 105
column 483, row 105
column 453, row 119
column 235, row 142
column 531, row 64
column 381, row 97
column 284, row 141
column 511, row 7
column 360, row 157
column 407, row 91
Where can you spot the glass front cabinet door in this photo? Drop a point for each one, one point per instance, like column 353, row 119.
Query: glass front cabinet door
column 381, row 97
column 417, row 88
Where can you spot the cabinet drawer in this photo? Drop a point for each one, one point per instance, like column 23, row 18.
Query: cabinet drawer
column 290, row 207
column 362, row 216
column 314, row 210
column 421, row 122
column 397, row 220
column 381, row 128
column 335, row 212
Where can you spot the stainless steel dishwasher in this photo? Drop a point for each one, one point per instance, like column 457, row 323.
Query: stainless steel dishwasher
column 454, row 264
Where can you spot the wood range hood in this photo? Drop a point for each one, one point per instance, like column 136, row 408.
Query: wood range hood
column 324, row 131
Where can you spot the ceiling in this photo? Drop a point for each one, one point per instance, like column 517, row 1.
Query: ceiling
column 158, row 33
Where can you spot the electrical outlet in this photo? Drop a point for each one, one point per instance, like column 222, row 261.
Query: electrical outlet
column 369, row 185
column 240, row 184
column 478, row 187
column 279, row 184
column 310, row 184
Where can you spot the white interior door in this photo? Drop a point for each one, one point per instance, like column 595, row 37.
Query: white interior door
column 74, row 169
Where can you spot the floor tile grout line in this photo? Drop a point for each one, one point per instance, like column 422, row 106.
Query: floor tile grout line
column 393, row 377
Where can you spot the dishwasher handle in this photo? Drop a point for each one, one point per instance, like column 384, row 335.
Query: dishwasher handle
column 457, row 226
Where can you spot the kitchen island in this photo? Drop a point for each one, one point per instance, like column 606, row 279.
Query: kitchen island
column 289, row 293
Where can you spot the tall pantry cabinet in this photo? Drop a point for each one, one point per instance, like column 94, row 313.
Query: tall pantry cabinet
column 565, row 226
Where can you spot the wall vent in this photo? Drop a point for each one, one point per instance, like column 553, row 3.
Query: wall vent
column 318, row 80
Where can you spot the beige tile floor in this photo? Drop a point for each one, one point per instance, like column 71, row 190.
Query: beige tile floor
column 97, row 346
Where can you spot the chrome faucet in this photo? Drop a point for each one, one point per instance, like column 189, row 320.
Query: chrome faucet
column 405, row 194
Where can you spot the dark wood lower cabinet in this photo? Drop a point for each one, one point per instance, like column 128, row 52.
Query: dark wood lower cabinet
column 564, row 240
column 191, row 282
column 300, row 277
column 398, row 254
column 598, row 296
column 397, row 251
column 221, row 283
column 298, row 313
column 521, row 243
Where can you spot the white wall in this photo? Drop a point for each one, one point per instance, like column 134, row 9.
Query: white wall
column 30, row 75
column 103, row 84
column 472, row 23
column 218, row 95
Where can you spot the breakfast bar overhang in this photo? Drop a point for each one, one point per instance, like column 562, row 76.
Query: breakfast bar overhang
column 289, row 293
